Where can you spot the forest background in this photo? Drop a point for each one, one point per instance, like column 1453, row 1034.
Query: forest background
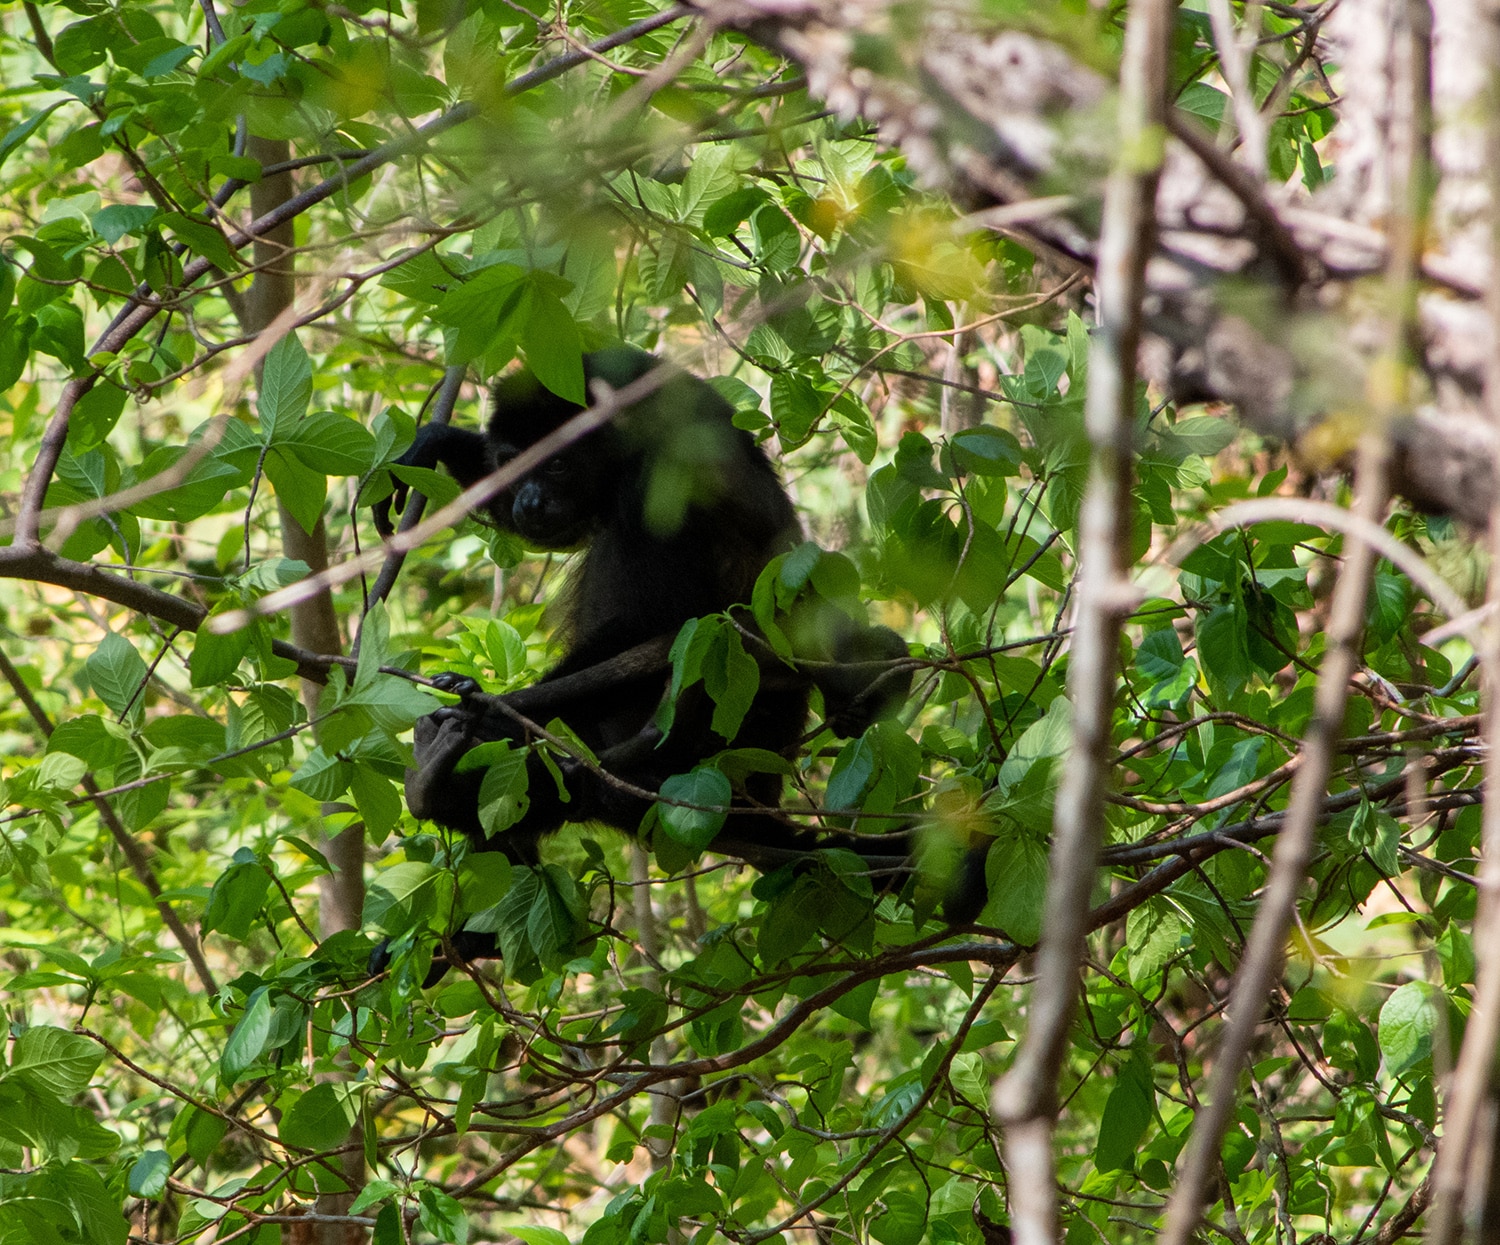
column 1138, row 360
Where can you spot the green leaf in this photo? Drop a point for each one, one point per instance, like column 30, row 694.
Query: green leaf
column 1389, row 606
column 203, row 239
column 694, row 828
column 117, row 673
column 987, row 450
column 1222, row 649
column 855, row 1005
column 731, row 677
column 95, row 415
column 1154, row 935
column 202, row 489
column 91, row 1205
column 331, row 444
column 321, row 1118
column 542, row 916
column 1201, row 434
column 1408, row 1022
column 730, row 212
column 374, row 1192
column 790, row 923
column 236, row 899
column 483, row 880
column 1203, row 101
column 323, row 777
column 776, row 240
column 853, row 769
column 248, row 1039
column 215, row 657
column 438, row 488
column 375, row 797
column 201, row 1133
column 553, row 346
column 421, row 277
column 796, row 406
column 148, row 1177
column 388, row 1229
column 59, row 333
column 1239, row 767
column 18, row 134
column 439, row 1214
column 403, row 895
column 503, row 798
column 302, row 489
column 285, row 385
column 904, row 1220
column 55, row 1060
column 1127, row 1114
column 97, row 743
column 1171, row 674
column 1016, row 876
column 478, row 308
column 15, row 345
column 230, row 50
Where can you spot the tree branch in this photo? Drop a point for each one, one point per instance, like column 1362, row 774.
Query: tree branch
column 1026, row 1099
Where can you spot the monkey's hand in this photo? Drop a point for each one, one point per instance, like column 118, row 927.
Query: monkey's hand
column 460, row 685
column 381, row 511
column 439, row 741
column 461, row 451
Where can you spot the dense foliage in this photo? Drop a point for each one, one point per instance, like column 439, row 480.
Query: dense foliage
column 676, row 1045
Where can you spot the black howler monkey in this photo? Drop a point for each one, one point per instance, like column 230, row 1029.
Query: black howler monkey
column 676, row 512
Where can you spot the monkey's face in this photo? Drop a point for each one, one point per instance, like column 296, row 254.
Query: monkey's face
column 558, row 505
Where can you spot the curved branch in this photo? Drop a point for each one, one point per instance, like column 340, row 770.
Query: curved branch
column 41, row 565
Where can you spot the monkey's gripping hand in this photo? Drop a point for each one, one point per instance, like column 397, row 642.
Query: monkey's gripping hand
column 433, row 793
column 434, row 790
column 438, row 790
column 867, row 684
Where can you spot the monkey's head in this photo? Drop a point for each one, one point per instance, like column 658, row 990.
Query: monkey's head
column 674, row 449
column 561, row 503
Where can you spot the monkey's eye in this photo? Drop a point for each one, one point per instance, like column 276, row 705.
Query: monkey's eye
column 554, row 468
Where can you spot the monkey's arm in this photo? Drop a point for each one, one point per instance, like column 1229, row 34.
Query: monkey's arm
column 458, row 449
column 542, row 700
column 860, row 686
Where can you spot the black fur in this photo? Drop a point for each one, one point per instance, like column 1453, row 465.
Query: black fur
column 676, row 512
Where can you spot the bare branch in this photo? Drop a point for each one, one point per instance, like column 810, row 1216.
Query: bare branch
column 1261, row 965
column 1026, row 1099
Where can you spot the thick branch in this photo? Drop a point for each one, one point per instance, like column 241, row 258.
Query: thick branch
column 41, row 565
